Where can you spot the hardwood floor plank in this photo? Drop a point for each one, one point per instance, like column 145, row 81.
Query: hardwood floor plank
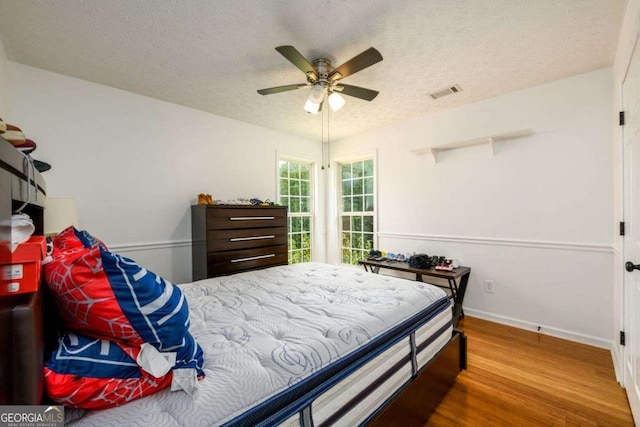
column 522, row 378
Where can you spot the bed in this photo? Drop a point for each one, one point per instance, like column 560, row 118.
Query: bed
column 306, row 344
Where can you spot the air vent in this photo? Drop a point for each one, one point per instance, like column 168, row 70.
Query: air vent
column 447, row 91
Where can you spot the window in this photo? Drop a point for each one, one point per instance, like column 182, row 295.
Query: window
column 357, row 210
column 295, row 192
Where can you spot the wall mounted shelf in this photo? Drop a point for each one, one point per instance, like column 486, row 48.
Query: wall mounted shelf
column 490, row 140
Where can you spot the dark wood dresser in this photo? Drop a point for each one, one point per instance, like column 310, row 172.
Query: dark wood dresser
column 228, row 239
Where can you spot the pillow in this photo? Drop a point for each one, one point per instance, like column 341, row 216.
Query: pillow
column 104, row 295
column 71, row 239
column 91, row 373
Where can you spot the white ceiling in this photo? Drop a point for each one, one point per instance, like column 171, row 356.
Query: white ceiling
column 214, row 55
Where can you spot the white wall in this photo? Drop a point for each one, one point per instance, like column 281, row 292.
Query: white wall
column 135, row 164
column 537, row 217
column 4, row 103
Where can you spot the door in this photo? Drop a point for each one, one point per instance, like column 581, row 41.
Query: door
column 631, row 147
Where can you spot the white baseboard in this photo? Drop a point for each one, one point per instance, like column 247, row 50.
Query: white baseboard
column 545, row 330
column 618, row 366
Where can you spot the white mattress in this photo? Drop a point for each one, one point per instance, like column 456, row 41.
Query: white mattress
column 264, row 332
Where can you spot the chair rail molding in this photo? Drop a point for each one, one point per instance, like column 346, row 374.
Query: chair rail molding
column 135, row 247
column 538, row 244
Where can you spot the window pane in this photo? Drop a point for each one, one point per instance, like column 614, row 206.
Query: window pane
column 346, row 171
column 346, row 187
column 284, row 169
column 357, row 186
column 306, row 240
column 368, row 203
column 297, row 241
column 346, row 204
column 356, row 240
column 356, row 256
column 367, row 223
column 368, row 241
column 356, row 204
column 304, row 171
column 284, row 186
column 284, row 201
column 306, row 223
column 358, row 170
column 368, row 185
column 304, row 188
column 368, row 168
column 294, row 204
column 294, row 170
column 346, row 240
column 357, row 223
column 346, row 256
column 296, row 225
column 306, row 255
column 346, row 223
column 294, row 188
column 304, row 204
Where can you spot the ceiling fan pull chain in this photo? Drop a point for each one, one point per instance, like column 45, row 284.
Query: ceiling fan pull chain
column 328, row 138
column 322, row 140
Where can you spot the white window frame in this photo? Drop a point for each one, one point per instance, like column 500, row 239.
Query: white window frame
column 338, row 198
column 290, row 215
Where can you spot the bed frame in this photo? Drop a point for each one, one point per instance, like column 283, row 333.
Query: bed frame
column 24, row 338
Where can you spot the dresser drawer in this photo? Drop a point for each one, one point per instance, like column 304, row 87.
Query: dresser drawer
column 229, row 240
column 240, row 218
column 219, row 263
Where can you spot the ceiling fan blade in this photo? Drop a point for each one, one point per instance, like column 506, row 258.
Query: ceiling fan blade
column 296, row 58
column 358, row 92
column 279, row 89
column 359, row 62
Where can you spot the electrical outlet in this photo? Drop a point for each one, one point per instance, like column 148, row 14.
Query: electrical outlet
column 489, row 286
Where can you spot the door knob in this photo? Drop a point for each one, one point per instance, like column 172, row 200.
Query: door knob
column 629, row 266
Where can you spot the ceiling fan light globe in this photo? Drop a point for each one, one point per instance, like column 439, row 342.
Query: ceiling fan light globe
column 336, row 101
column 311, row 107
column 317, row 94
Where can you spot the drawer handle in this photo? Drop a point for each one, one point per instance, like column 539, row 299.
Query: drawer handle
column 249, row 218
column 252, row 258
column 242, row 239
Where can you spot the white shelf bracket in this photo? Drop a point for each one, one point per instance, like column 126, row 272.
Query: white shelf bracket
column 431, row 152
column 493, row 145
column 434, row 154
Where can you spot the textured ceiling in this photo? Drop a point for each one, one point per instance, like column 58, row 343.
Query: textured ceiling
column 214, row 55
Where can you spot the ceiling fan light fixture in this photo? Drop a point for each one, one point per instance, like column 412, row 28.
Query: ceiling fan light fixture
column 336, row 101
column 317, row 94
column 311, row 107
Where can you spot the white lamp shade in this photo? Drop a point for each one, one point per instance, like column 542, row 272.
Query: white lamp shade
column 336, row 101
column 311, row 107
column 59, row 213
column 317, row 94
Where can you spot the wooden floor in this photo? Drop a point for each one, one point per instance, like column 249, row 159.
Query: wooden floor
column 521, row 378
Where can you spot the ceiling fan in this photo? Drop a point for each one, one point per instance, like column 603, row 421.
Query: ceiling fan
column 325, row 81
